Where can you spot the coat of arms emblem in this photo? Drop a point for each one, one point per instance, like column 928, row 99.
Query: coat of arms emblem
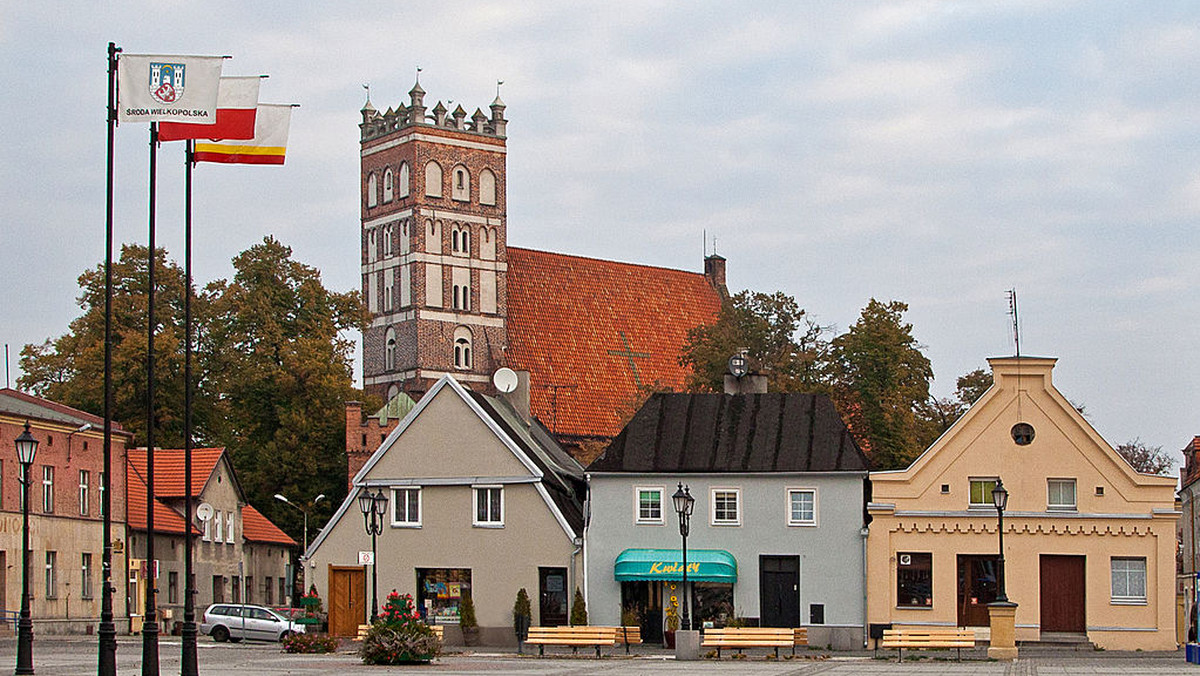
column 166, row 81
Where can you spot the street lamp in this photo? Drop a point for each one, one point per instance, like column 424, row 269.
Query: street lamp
column 373, row 507
column 284, row 500
column 26, row 450
column 1000, row 500
column 684, row 504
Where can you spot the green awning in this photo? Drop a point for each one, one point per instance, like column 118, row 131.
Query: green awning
column 704, row 565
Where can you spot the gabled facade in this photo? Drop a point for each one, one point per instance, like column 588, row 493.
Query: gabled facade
column 1089, row 543
column 481, row 501
column 777, row 531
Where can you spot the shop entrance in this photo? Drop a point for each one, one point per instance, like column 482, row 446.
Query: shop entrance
column 440, row 591
column 645, row 598
column 779, row 587
column 552, row 592
column 977, row 587
column 347, row 600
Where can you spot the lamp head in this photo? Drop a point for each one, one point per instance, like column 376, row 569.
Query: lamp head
column 380, row 503
column 318, row 498
column 365, row 501
column 26, row 446
column 280, row 496
column 684, row 502
column 1000, row 496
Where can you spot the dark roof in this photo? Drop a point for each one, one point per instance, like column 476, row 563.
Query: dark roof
column 563, row 477
column 26, row 405
column 774, row 432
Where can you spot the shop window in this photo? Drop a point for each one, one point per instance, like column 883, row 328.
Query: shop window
column 406, row 507
column 1129, row 580
column 802, row 507
column 981, row 492
column 1060, row 494
column 713, row 603
column 649, row 504
column 914, row 579
column 489, row 506
column 726, row 507
column 439, row 593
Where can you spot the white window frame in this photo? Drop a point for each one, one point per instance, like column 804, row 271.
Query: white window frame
column 980, row 505
column 1062, row 507
column 791, row 520
column 1127, row 599
column 207, row 537
column 408, row 523
column 475, row 491
column 219, row 526
column 637, row 506
column 85, row 480
column 85, row 575
column 51, row 574
column 48, row 489
column 230, row 518
column 712, row 512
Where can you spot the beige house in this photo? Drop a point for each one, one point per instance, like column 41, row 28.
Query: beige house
column 1089, row 543
column 481, row 501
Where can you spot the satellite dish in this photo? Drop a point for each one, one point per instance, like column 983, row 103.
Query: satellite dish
column 505, row 379
column 204, row 511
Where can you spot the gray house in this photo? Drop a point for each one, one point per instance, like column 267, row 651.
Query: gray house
column 777, row 534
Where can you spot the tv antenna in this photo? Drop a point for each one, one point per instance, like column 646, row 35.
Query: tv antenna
column 1016, row 325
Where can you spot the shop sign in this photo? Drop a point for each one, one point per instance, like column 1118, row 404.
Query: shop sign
column 663, row 567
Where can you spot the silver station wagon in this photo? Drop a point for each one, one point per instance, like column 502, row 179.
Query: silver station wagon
column 236, row 621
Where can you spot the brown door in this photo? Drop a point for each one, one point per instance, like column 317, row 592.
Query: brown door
column 552, row 587
column 1063, row 594
column 977, row 587
column 347, row 600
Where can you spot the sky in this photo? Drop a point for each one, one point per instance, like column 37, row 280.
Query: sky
column 937, row 153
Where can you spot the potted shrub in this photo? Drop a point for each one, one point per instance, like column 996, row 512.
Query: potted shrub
column 399, row 636
column 466, row 620
column 578, row 610
column 672, row 627
column 522, row 617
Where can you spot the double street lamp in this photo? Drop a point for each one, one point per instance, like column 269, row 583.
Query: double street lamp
column 373, row 507
column 282, row 498
column 26, row 450
column 1000, row 501
column 684, row 504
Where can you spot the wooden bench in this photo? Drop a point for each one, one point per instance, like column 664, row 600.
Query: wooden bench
column 936, row 637
column 799, row 638
column 574, row 637
column 750, row 637
column 438, row 630
column 628, row 636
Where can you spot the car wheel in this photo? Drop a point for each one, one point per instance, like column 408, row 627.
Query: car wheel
column 285, row 635
column 235, row 639
column 220, row 634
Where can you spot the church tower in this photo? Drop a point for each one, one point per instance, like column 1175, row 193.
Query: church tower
column 434, row 255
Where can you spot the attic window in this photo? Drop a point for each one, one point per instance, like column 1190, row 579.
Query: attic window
column 1022, row 433
column 945, row 488
column 1099, row 490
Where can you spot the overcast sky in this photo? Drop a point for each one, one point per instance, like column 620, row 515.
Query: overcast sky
column 937, row 153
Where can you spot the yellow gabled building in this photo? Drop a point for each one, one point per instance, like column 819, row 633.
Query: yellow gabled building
column 1089, row 543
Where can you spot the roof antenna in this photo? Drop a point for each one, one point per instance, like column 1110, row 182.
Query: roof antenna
column 704, row 240
column 1016, row 326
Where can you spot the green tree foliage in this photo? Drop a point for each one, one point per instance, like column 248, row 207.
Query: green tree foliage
column 1146, row 459
column 939, row 414
column 522, row 607
column 971, row 386
column 579, row 616
column 881, row 380
column 781, row 341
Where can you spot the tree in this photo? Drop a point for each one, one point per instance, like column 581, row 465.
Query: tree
column 882, row 379
column 780, row 339
column 1146, row 459
column 579, row 616
column 938, row 415
column 971, row 386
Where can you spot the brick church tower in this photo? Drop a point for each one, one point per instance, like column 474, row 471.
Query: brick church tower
column 434, row 255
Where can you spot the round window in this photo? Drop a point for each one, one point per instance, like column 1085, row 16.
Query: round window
column 1022, row 433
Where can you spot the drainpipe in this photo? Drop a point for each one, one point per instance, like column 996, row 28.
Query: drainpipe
column 864, row 532
column 578, row 542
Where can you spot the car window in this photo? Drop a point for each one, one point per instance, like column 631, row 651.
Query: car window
column 260, row 614
column 233, row 611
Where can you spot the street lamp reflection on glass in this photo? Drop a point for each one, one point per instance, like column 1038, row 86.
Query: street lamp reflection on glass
column 26, row 450
column 684, row 504
column 1000, row 500
column 373, row 507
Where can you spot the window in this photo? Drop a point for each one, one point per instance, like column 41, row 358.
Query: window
column 389, row 349
column 487, row 187
column 372, row 190
column 725, row 507
column 462, row 297
column 649, row 505
column 283, row 590
column 981, row 492
column 51, row 575
column 85, row 576
column 218, row 519
column 462, row 348
column 173, row 587
column 802, row 507
column 401, row 191
column 237, row 589
column 229, row 517
column 1022, row 434
column 267, row 589
column 461, row 191
column 433, row 180
column 489, row 506
column 389, row 236
column 250, row 590
column 48, row 489
column 85, row 478
column 1129, row 580
column 460, row 240
column 372, row 245
column 1060, row 494
column 207, row 537
column 406, row 507
column 387, row 185
column 914, row 579
column 218, row 589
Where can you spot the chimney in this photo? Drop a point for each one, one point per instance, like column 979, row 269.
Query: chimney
column 714, row 272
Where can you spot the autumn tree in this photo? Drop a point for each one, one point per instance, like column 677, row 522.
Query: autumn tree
column 938, row 414
column 1146, row 459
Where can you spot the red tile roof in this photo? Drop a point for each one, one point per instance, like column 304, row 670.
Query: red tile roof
column 166, row 520
column 169, row 469
column 590, row 332
column 258, row 528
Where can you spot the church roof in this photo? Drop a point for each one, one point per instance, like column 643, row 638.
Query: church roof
column 776, row 432
column 593, row 332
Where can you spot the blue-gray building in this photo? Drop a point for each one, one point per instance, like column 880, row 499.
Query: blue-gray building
column 777, row 533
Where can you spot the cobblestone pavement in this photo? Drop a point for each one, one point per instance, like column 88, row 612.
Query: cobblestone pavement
column 54, row 656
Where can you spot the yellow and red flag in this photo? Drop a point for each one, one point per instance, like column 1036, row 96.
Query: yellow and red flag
column 237, row 101
column 268, row 146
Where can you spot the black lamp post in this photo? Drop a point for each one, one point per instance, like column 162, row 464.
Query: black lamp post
column 1000, row 500
column 26, row 449
column 684, row 504
column 373, row 507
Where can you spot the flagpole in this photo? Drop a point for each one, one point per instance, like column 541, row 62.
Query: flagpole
column 107, row 661
column 150, row 621
column 188, row 666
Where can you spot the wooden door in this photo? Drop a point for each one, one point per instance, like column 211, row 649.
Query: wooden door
column 347, row 600
column 1063, row 593
column 779, row 587
column 552, row 595
column 977, row 587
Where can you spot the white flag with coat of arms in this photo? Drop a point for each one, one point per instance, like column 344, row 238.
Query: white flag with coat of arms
column 168, row 88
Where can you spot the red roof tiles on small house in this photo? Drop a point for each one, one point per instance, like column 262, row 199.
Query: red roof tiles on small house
column 166, row 520
column 258, row 528
column 592, row 332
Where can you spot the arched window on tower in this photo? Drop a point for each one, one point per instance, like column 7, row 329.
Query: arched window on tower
column 462, row 348
column 460, row 240
column 461, row 191
column 402, row 181
column 372, row 190
column 389, row 236
column 388, row 190
column 389, row 349
column 487, row 187
column 433, row 180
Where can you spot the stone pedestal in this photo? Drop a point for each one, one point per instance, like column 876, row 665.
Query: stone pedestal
column 687, row 645
column 1002, row 616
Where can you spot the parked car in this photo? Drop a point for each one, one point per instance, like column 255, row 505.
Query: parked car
column 233, row 622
